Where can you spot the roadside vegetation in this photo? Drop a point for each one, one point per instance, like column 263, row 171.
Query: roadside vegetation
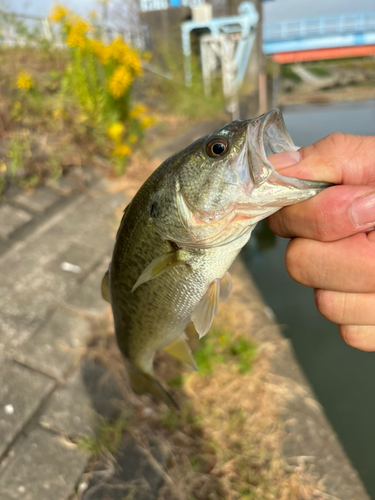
column 85, row 101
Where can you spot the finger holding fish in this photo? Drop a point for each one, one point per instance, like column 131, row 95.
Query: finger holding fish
column 346, row 265
column 333, row 245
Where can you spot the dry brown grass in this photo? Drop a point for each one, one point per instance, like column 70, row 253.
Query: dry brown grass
column 226, row 441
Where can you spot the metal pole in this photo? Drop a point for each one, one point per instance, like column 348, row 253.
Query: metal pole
column 262, row 83
column 275, row 83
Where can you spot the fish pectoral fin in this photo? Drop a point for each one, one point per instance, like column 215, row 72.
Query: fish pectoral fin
column 144, row 383
column 206, row 309
column 226, row 286
column 106, row 294
column 180, row 350
column 158, row 266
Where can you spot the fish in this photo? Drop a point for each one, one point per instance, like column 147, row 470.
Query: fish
column 182, row 231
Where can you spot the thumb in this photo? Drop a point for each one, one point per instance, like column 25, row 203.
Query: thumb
column 338, row 158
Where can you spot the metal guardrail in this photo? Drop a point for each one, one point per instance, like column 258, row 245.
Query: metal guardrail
column 319, row 27
column 23, row 30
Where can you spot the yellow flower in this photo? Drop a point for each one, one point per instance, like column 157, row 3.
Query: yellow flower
column 57, row 13
column 115, row 131
column 137, row 111
column 79, row 24
column 100, row 50
column 121, row 150
column 133, row 61
column 75, row 39
column 147, row 122
column 122, row 53
column 133, row 138
column 93, row 14
column 24, row 80
column 76, row 34
column 120, row 81
column 118, row 49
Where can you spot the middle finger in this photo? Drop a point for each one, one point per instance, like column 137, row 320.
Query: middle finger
column 346, row 265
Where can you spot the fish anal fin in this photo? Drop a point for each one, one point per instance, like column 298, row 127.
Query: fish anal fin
column 180, row 350
column 226, row 286
column 144, row 383
column 106, row 294
column 206, row 309
column 159, row 266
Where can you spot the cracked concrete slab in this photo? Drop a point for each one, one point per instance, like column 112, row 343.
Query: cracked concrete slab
column 44, row 467
column 22, row 391
column 54, row 348
column 12, row 218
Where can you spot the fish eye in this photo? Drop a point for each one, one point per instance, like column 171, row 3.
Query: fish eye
column 217, row 147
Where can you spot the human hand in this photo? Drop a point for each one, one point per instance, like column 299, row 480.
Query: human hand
column 333, row 245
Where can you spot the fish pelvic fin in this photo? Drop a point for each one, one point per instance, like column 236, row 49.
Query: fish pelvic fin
column 180, row 350
column 158, row 266
column 225, row 286
column 206, row 309
column 144, row 383
column 106, row 294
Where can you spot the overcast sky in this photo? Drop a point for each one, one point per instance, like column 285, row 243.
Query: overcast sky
column 274, row 10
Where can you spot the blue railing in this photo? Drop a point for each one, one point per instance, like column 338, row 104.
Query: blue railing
column 319, row 27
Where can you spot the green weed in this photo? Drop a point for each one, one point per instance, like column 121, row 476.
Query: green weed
column 222, row 346
column 107, row 437
column 288, row 73
column 176, row 381
column 318, row 71
column 170, row 420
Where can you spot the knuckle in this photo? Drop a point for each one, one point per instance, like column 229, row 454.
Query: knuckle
column 322, row 224
column 296, row 259
column 338, row 307
column 277, row 224
column 337, row 139
column 349, row 334
column 326, row 305
column 359, row 337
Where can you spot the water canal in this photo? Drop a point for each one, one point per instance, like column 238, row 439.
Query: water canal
column 343, row 378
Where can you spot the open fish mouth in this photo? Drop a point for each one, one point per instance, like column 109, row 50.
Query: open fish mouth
column 273, row 136
column 266, row 135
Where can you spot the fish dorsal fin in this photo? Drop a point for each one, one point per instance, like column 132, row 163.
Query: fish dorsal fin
column 158, row 266
column 226, row 286
column 206, row 309
column 180, row 350
column 106, row 294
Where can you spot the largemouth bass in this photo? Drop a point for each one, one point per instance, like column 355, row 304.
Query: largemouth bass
column 182, row 231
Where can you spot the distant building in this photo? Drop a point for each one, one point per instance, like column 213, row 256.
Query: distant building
column 155, row 5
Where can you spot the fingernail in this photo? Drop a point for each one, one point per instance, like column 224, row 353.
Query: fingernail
column 363, row 210
column 285, row 159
